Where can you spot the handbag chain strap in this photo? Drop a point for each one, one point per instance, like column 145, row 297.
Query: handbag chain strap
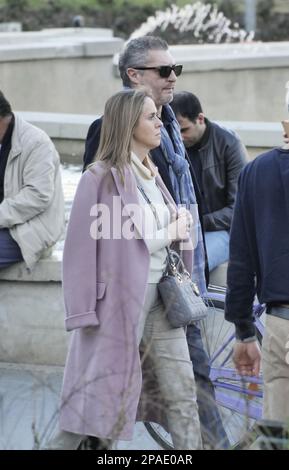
column 171, row 262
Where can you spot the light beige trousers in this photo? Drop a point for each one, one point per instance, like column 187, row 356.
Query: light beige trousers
column 275, row 366
column 169, row 354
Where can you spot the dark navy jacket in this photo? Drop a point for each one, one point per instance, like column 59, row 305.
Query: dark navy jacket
column 259, row 244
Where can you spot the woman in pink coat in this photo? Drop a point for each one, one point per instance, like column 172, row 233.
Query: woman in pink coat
column 114, row 256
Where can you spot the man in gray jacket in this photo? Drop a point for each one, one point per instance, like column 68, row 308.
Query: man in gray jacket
column 217, row 156
column 31, row 196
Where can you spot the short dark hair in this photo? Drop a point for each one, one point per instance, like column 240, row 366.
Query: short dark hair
column 135, row 54
column 187, row 105
column 5, row 108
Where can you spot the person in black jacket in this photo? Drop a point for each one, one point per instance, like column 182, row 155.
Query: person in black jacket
column 217, row 156
column 146, row 62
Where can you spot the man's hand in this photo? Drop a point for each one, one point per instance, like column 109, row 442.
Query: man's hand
column 247, row 358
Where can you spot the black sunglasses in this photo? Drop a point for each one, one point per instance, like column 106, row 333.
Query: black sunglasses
column 164, row 70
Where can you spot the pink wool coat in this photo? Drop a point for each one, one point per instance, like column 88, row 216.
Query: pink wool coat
column 104, row 283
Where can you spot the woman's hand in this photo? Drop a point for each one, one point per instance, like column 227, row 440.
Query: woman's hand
column 180, row 228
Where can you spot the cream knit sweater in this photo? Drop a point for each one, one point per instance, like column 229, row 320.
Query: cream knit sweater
column 156, row 239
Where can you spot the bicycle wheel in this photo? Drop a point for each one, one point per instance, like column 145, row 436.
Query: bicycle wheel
column 239, row 400
column 160, row 435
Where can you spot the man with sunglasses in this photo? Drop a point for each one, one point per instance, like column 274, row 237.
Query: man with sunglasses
column 164, row 70
column 147, row 62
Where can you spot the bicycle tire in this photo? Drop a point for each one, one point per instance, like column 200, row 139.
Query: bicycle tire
column 160, row 435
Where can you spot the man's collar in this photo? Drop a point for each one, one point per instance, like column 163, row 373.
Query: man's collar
column 205, row 137
column 167, row 114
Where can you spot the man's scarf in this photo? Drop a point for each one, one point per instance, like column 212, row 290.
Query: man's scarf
column 179, row 170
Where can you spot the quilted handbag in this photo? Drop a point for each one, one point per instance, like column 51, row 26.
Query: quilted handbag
column 180, row 295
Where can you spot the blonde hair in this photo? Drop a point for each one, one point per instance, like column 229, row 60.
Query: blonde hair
column 121, row 114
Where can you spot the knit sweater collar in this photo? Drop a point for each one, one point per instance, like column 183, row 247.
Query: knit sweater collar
column 145, row 169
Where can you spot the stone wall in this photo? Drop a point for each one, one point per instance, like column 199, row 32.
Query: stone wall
column 237, row 82
column 75, row 71
column 32, row 314
column 68, row 131
column 68, row 71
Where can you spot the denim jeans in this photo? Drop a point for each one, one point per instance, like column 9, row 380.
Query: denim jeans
column 217, row 244
column 10, row 252
column 213, row 432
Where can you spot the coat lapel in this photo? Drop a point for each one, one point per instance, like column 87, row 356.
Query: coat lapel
column 128, row 194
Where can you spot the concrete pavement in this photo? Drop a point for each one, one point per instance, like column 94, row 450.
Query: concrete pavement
column 29, row 399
